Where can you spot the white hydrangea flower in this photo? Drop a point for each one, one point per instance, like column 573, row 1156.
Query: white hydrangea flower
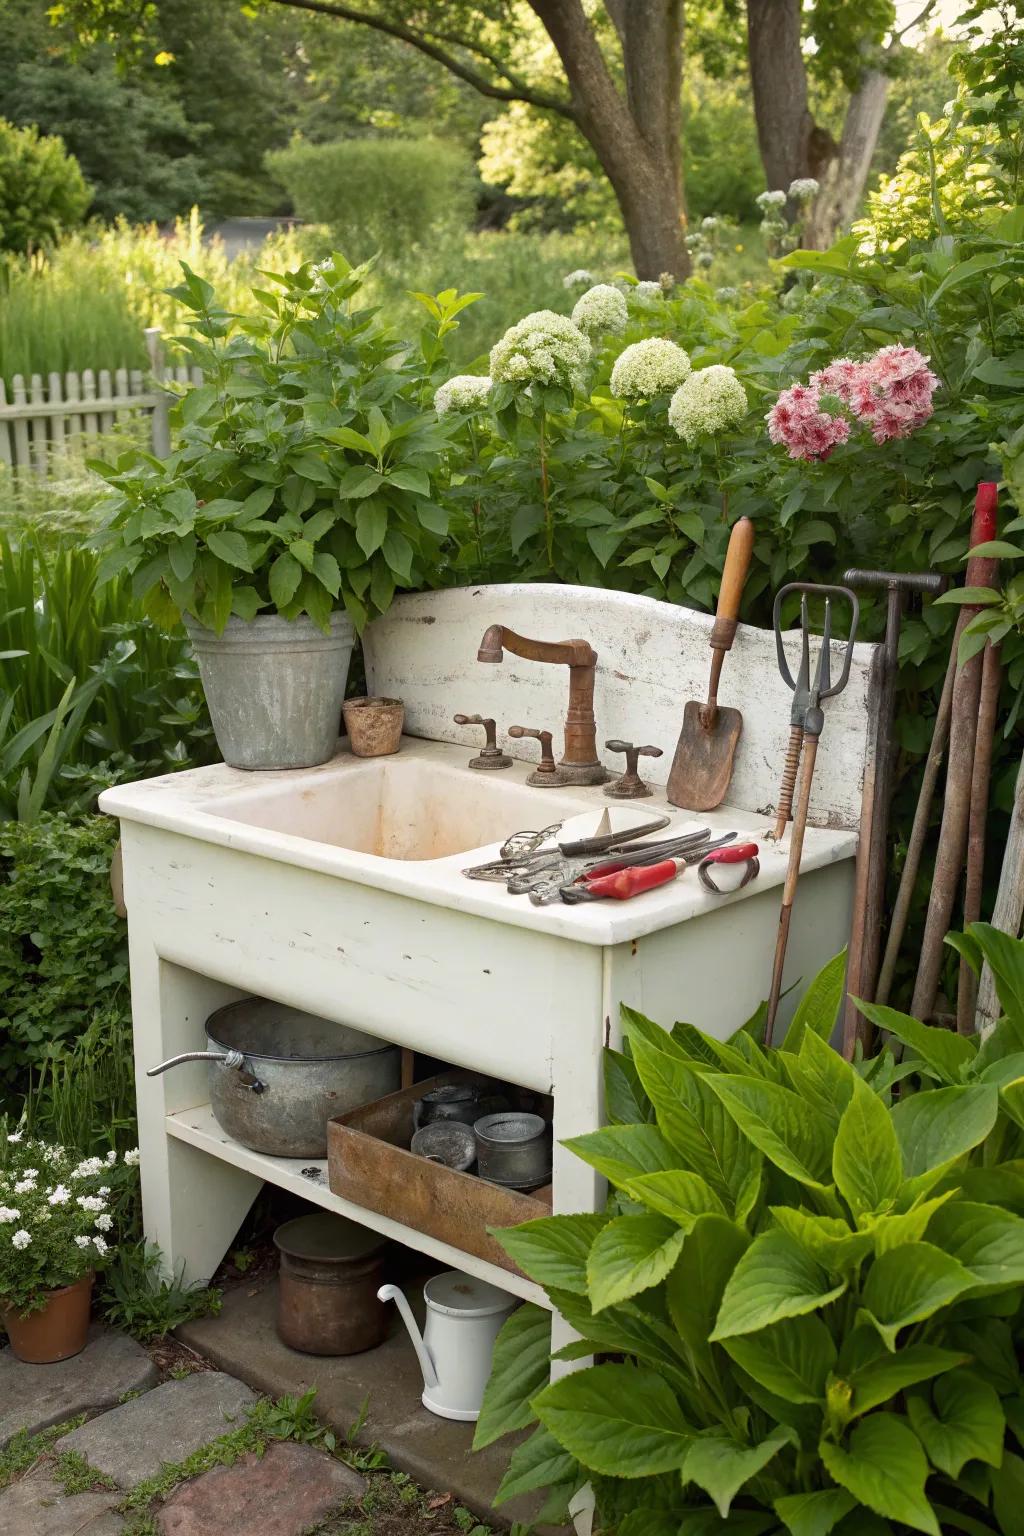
column 111, row 1158
column 92, row 1202
column 708, row 402
column 465, row 392
column 53, row 1154
column 15, row 1137
column 601, row 309
column 82, row 1242
column 654, row 366
column 542, row 348
column 644, row 291
column 581, row 278
column 711, row 222
column 24, row 1186
column 132, row 1158
column 9, row 1213
column 726, row 295
column 87, row 1167
column 803, row 189
column 103, row 1223
column 99, row 1244
column 21, row 1239
column 60, row 1196
column 768, row 200
column 104, row 1189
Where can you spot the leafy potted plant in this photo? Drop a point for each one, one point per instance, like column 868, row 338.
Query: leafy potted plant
column 55, row 1222
column 298, row 495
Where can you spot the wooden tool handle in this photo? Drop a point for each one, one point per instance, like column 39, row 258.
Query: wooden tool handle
column 737, row 564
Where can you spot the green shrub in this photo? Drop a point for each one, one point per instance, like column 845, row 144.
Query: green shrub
column 63, row 952
column 810, row 1273
column 42, row 190
column 379, row 194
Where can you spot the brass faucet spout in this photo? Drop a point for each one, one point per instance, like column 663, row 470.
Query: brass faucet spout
column 580, row 759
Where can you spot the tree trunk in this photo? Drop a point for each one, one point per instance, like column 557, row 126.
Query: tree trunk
column 636, row 139
column 778, row 80
column 845, row 175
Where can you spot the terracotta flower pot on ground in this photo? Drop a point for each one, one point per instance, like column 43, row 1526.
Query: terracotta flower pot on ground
column 56, row 1331
column 374, row 726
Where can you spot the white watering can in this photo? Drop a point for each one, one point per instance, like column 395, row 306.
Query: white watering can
column 464, row 1317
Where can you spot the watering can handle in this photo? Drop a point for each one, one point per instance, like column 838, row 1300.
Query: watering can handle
column 392, row 1293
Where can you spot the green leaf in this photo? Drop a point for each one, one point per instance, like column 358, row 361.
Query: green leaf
column 884, row 1467
column 866, row 1161
column 963, row 1421
column 820, row 1073
column 681, row 1196
column 617, row 1419
column 791, row 1133
column 908, row 1285
column 415, row 480
column 981, row 597
column 814, row 1514
column 629, row 1255
column 625, row 1102
column 878, row 1380
column 230, row 547
column 694, row 1289
column 828, row 1239
column 371, row 526
column 989, row 1242
column 539, row 1462
column 325, row 569
column 774, row 1279
column 995, row 549
column 604, row 542
column 397, row 551
column 245, row 602
column 721, row 1466
column 435, row 519
column 622, row 1152
column 382, row 586
column 302, row 551
column 358, row 482
column 792, row 1358
column 893, row 1230
column 285, row 575
column 181, row 556
column 553, row 1249
column 818, row 1009
column 939, row 1125
column 943, row 1049
column 520, row 1366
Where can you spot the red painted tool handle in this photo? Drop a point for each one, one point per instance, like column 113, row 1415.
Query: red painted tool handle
column 735, row 854
column 630, row 882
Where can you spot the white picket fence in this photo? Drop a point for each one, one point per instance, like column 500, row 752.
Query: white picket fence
column 42, row 420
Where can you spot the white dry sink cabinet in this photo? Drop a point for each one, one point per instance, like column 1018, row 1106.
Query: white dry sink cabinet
column 339, row 890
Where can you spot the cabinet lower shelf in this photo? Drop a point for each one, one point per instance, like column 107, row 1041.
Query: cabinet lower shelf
column 199, row 1128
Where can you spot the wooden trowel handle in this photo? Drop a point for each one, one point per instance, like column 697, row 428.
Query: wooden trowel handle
column 737, row 564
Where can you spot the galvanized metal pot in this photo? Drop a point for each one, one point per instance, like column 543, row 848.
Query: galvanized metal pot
column 277, row 1075
column 275, row 687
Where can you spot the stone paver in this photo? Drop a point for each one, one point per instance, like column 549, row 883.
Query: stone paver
column 131, row 1443
column 38, row 1506
column 33, row 1397
column 289, row 1489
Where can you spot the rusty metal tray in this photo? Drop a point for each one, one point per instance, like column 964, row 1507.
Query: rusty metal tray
column 369, row 1163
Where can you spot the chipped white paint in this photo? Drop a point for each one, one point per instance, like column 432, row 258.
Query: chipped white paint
column 652, row 657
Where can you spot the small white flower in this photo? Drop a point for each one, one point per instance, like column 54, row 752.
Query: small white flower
column 99, row 1244
column 542, row 348
column 8, row 1213
column 465, row 392
column 24, row 1186
column 15, row 1137
column 132, row 1157
column 768, row 200
column 30, row 1173
column 21, row 1239
column 104, row 1189
column 53, row 1154
column 644, row 292
column 92, row 1202
column 111, row 1158
column 581, row 278
column 60, row 1196
column 726, row 295
column 654, row 366
column 803, row 189
column 82, row 1242
column 103, row 1223
column 710, row 222
column 709, row 401
column 88, row 1167
column 601, row 309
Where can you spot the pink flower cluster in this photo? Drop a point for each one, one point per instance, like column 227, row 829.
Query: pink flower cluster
column 891, row 393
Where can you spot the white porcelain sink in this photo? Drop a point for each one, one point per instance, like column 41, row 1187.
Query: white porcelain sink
column 401, row 807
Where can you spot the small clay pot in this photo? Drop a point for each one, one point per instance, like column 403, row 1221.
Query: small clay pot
column 374, row 726
column 58, row 1330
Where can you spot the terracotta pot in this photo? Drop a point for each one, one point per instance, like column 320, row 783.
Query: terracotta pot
column 374, row 726
column 58, row 1330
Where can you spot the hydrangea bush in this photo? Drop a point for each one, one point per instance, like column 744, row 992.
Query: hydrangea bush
column 56, row 1222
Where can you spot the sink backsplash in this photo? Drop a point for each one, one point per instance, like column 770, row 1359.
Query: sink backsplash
column 652, row 657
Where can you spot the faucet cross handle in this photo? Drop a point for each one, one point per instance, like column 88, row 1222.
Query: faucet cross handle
column 630, row 786
column 490, row 755
column 546, row 775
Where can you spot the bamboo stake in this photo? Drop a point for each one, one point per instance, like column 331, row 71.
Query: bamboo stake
column 991, row 677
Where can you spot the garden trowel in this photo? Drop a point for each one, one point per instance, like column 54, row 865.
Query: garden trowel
column 702, row 766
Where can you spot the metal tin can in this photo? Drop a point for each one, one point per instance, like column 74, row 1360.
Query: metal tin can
column 330, row 1274
column 513, row 1148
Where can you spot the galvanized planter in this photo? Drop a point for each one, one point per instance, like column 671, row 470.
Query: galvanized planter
column 275, row 687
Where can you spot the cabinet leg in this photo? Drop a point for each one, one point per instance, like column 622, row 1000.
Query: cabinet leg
column 575, row 1186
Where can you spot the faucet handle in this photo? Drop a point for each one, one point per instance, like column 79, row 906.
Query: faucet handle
column 490, row 755
column 630, row 786
column 546, row 775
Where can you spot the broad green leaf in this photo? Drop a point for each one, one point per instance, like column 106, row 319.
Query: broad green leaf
column 708, row 1522
column 694, row 1289
column 989, row 1242
column 520, row 1366
column 721, row 1465
column 774, row 1279
column 682, row 1197
column 818, row 1009
column 325, row 569
column 371, row 526
column 621, row 1420
column 878, row 1380
column 792, row 1134
column 346, row 437
column 814, row 1514
column 302, row 551
column 553, row 1249
column 892, row 1231
column 908, row 1285
column 938, row 1125
column 539, row 1462
column 866, row 1161
column 285, row 575
column 820, row 1074
column 828, row 1239
column 181, row 555
column 791, row 1358
column 625, row 1102
column 622, row 1152
column 230, row 547
column 884, row 1467
column 963, row 1421
column 625, row 1329
column 682, row 1104
column 398, row 552
column 433, row 518
column 1005, row 954
column 943, row 1050
column 629, row 1255
column 415, row 480
column 1008, row 1493
column 358, row 482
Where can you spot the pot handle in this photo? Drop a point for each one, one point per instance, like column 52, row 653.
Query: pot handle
column 226, row 1058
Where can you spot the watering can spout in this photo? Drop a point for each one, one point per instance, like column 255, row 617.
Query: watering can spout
column 392, row 1293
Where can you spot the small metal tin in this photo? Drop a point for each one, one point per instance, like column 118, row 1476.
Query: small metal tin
column 448, row 1142
column 513, row 1148
column 450, row 1101
column 330, row 1273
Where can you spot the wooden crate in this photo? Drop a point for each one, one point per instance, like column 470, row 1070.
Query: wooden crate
column 369, row 1163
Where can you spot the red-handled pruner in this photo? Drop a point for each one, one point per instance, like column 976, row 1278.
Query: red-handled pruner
column 621, row 884
column 737, row 853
